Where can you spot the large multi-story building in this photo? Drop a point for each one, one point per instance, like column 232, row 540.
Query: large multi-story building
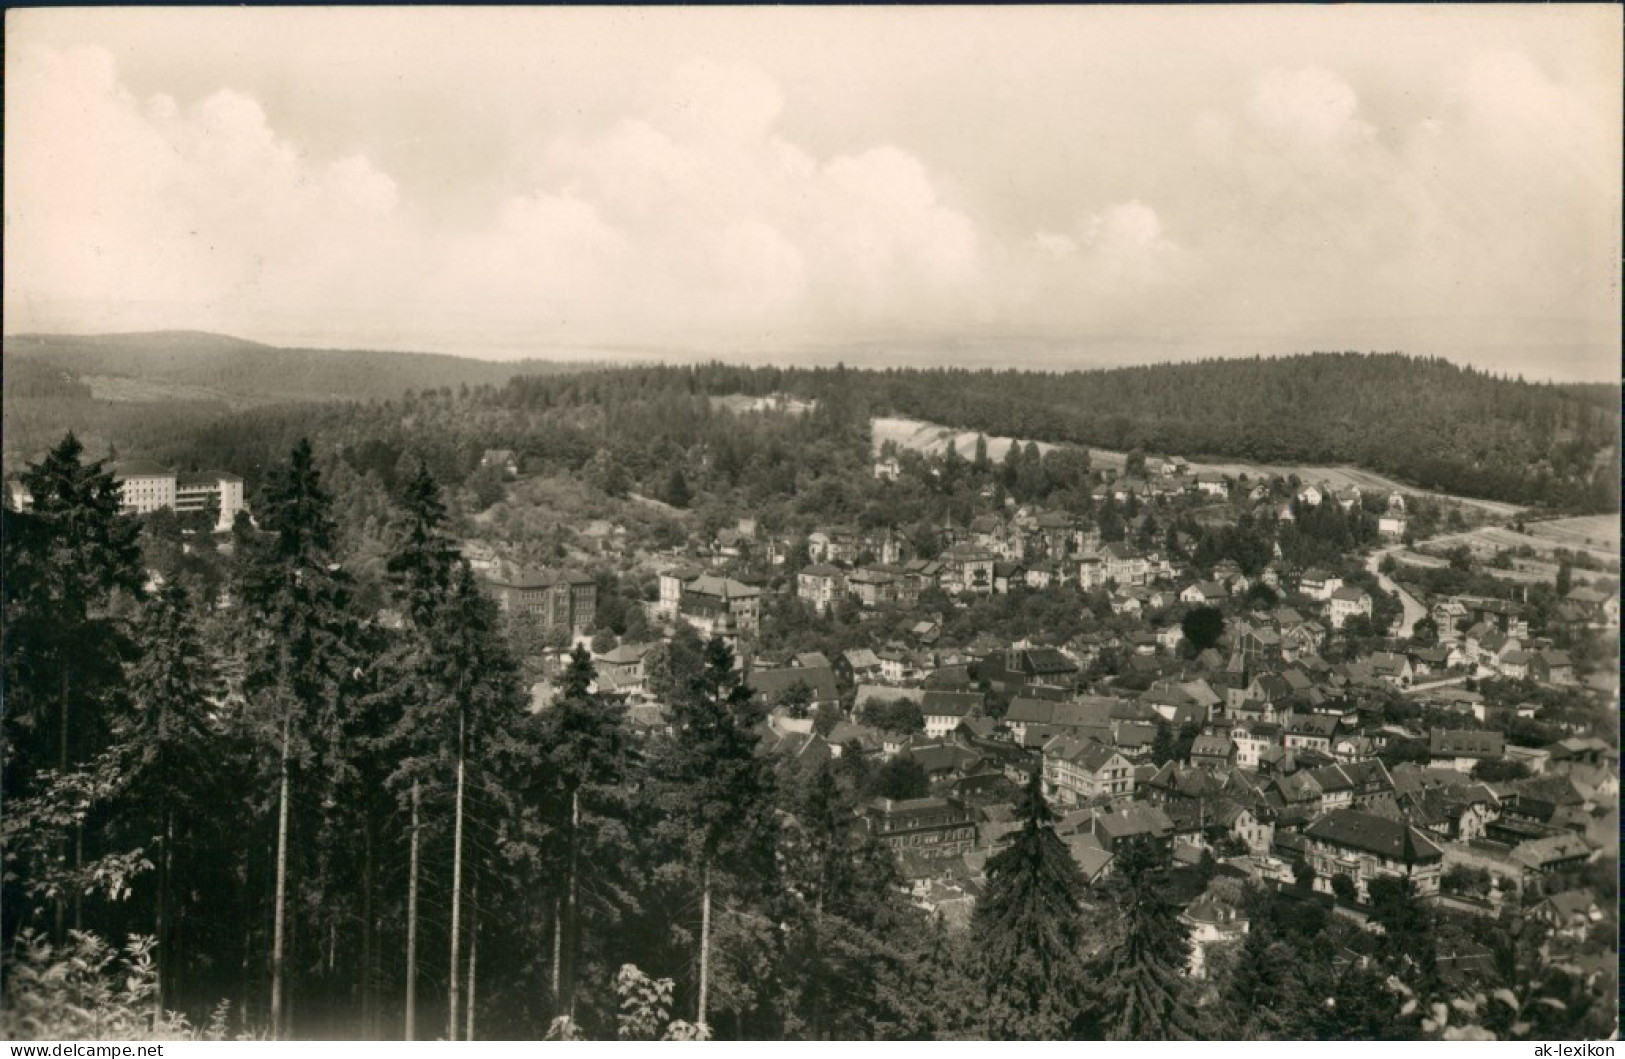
column 563, row 599
column 146, row 487
column 1077, row 770
column 704, row 601
column 1364, row 847
column 931, row 827
column 821, row 585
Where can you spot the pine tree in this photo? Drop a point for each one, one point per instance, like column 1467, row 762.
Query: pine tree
column 1143, row 996
column 477, row 729
column 676, row 492
column 66, row 563
column 1029, row 931
column 169, row 751
column 301, row 661
column 584, row 741
column 721, row 790
column 422, row 566
column 424, row 559
column 848, row 916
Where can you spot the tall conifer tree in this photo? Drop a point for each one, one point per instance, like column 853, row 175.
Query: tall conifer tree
column 1029, row 930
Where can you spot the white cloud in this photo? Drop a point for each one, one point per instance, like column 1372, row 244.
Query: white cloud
column 1337, row 183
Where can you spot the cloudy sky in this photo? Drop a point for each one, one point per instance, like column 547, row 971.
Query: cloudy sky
column 1047, row 187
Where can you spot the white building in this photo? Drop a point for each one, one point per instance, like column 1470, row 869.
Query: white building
column 145, row 488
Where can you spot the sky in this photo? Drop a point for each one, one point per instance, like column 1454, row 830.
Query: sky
column 1039, row 187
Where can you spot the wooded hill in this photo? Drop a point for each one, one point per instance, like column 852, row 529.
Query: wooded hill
column 244, row 372
column 1428, row 422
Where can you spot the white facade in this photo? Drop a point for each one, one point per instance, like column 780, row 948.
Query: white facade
column 144, row 490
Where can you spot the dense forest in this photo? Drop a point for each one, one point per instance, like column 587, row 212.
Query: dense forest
column 1431, row 423
column 1427, row 422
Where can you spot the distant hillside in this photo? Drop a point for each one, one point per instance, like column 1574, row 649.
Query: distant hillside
column 136, row 392
column 1427, row 421
column 239, row 372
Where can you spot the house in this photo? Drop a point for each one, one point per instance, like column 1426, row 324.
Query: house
column 1462, row 749
column 146, row 487
column 1130, row 820
column 1543, row 856
column 1447, row 614
column 1212, row 484
column 1570, row 913
column 888, row 469
column 821, row 585
column 621, row 668
column 1245, row 825
column 926, row 632
column 1392, row 669
column 1356, row 784
column 773, row 684
column 1078, row 770
column 1213, row 751
column 1362, row 847
column 1346, row 602
column 1210, row 922
column 1084, row 719
column 861, row 664
column 1311, row 731
column 1601, row 607
column 1256, row 642
column 967, row 570
column 1251, row 739
column 1318, row 584
column 1310, row 496
column 1440, row 658
column 932, row 828
column 1124, row 565
column 1031, row 667
column 502, row 459
column 1550, row 666
column 944, row 710
column 897, row 665
column 1093, row 861
column 1514, row 665
column 704, row 600
column 1576, row 750
column 1204, row 593
column 873, row 588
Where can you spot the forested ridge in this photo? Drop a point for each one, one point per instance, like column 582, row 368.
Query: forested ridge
column 1429, row 423
column 1434, row 424
column 257, row 373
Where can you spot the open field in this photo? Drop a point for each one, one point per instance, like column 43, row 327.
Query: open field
column 930, row 437
column 1594, row 535
column 1584, row 532
column 124, row 388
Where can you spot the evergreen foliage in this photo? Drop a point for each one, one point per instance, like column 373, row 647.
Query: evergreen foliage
column 1029, row 931
column 1143, row 995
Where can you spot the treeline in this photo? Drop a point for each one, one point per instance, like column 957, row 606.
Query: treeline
column 1433, row 424
column 253, row 372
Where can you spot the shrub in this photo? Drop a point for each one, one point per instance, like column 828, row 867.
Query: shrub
column 87, row 990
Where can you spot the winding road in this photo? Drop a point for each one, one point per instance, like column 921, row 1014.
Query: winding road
column 1414, row 611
